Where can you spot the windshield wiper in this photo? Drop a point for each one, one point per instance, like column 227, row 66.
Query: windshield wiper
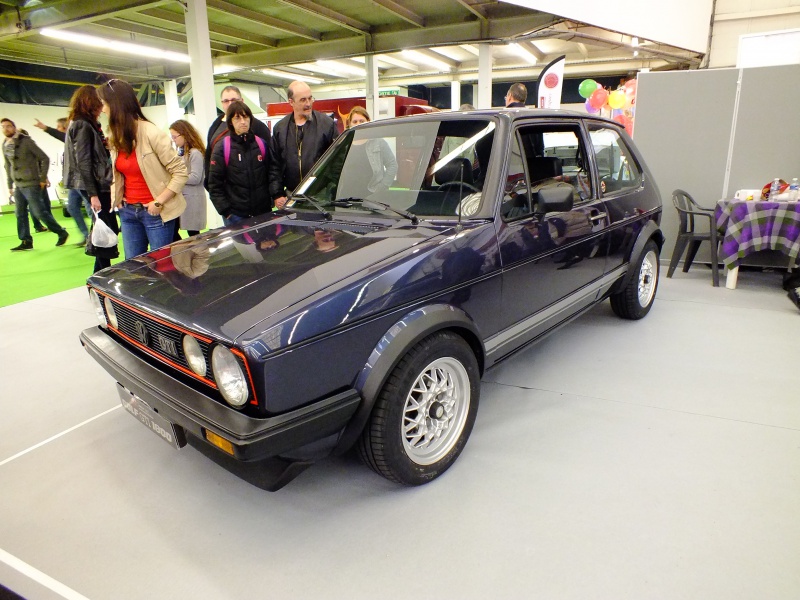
column 315, row 204
column 373, row 205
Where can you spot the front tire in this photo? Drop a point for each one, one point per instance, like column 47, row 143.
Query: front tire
column 425, row 412
column 636, row 298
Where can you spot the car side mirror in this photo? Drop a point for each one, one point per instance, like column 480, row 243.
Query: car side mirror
column 554, row 199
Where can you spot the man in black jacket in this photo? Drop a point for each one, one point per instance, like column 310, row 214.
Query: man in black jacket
column 516, row 96
column 298, row 141
column 219, row 128
column 26, row 175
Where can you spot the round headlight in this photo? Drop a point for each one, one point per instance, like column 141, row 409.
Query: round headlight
column 98, row 308
column 194, row 355
column 112, row 315
column 228, row 375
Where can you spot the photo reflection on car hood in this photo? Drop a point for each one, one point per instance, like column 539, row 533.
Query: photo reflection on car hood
column 217, row 280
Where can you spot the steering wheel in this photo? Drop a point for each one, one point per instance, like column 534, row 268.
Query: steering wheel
column 463, row 184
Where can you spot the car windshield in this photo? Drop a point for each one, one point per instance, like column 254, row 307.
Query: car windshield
column 403, row 169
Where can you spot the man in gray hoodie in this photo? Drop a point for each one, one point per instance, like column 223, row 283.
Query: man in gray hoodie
column 26, row 174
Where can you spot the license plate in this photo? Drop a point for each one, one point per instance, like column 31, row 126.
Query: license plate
column 163, row 428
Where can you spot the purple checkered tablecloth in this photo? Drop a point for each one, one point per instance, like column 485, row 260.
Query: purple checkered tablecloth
column 747, row 227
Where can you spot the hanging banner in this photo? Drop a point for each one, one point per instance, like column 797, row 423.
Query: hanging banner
column 551, row 80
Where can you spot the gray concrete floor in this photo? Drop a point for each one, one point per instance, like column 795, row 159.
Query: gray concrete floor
column 620, row 460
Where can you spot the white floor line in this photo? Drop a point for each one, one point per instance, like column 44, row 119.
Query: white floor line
column 39, row 577
column 58, row 435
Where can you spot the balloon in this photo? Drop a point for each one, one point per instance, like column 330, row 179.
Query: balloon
column 616, row 99
column 630, row 86
column 621, row 119
column 586, row 87
column 590, row 109
column 598, row 98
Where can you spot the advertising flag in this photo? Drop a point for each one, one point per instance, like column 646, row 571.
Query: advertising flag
column 551, row 80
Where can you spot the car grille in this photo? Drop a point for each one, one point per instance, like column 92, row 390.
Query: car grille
column 157, row 337
column 165, row 342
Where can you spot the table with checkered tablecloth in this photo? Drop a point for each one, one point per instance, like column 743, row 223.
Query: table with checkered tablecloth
column 747, row 227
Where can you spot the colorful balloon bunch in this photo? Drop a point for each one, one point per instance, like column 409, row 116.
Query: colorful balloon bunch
column 620, row 103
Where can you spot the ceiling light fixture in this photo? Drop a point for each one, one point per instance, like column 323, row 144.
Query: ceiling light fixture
column 523, row 52
column 342, row 67
column 291, row 76
column 634, row 41
column 415, row 56
column 116, row 46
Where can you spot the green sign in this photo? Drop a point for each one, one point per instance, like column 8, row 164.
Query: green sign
column 389, row 93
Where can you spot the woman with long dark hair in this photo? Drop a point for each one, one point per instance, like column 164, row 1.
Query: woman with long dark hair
column 191, row 148
column 87, row 164
column 148, row 173
column 238, row 175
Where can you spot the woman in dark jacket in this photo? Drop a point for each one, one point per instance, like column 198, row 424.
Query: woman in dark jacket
column 237, row 179
column 87, row 164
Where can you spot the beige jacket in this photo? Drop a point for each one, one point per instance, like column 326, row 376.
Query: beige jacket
column 161, row 168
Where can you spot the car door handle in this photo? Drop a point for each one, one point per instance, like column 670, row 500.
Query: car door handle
column 598, row 216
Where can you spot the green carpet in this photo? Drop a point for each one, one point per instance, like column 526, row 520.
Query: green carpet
column 45, row 269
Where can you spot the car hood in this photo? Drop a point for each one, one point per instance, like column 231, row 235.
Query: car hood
column 223, row 282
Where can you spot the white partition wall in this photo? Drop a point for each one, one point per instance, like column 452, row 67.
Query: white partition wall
column 711, row 132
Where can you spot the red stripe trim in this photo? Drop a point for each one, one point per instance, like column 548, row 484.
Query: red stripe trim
column 181, row 368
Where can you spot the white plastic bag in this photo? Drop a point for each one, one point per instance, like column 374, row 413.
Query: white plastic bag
column 102, row 235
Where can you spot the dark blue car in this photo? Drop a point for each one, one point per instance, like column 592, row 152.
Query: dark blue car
column 418, row 253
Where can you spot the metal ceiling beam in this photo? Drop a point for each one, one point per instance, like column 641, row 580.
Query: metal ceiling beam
column 533, row 49
column 391, row 41
column 475, row 8
column 66, row 14
column 257, row 17
column 214, row 29
column 327, row 14
column 401, row 11
column 121, row 29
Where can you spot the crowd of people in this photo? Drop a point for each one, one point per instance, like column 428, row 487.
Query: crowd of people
column 149, row 184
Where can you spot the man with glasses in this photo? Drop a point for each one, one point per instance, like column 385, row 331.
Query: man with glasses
column 219, row 128
column 298, row 141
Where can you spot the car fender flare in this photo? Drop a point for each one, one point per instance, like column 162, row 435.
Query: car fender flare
column 394, row 344
column 650, row 231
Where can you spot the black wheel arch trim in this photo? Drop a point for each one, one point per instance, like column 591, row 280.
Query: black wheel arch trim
column 650, row 231
column 401, row 337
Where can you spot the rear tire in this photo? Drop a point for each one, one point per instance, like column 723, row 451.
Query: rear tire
column 425, row 412
column 636, row 298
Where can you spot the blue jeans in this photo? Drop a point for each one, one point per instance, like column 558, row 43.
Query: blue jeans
column 74, row 200
column 140, row 229
column 233, row 220
column 30, row 198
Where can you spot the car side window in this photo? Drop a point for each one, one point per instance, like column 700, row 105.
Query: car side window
column 516, row 199
column 616, row 167
column 545, row 156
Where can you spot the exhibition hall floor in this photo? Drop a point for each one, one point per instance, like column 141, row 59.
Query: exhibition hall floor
column 614, row 460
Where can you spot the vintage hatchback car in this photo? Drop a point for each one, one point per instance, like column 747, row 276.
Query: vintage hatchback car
column 418, row 253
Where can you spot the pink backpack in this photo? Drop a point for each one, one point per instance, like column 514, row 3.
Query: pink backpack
column 227, row 148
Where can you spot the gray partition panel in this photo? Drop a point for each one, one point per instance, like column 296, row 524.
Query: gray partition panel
column 767, row 140
column 683, row 125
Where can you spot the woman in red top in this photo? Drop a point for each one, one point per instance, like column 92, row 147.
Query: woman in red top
column 148, row 173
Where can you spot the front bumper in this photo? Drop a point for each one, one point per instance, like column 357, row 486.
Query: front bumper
column 253, row 439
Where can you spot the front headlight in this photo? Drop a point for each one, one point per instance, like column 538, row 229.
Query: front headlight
column 194, row 355
column 112, row 315
column 98, row 308
column 229, row 376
